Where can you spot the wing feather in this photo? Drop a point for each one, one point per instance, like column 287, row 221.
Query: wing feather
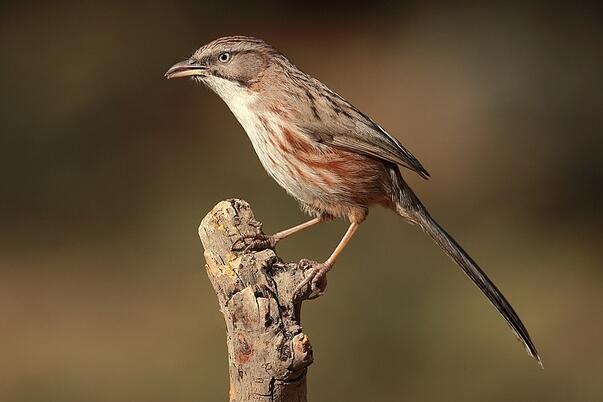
column 376, row 142
column 340, row 124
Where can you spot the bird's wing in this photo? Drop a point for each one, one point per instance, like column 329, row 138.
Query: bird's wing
column 339, row 124
column 375, row 141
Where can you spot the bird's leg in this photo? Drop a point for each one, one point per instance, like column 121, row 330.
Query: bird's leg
column 283, row 234
column 318, row 271
column 261, row 241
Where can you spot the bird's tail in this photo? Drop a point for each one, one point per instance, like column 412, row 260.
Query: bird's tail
column 410, row 207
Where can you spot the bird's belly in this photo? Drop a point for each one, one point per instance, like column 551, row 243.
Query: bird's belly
column 321, row 177
column 289, row 174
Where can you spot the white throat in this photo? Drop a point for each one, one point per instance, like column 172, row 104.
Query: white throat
column 238, row 98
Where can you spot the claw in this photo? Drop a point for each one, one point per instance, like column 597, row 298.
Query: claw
column 316, row 278
column 255, row 242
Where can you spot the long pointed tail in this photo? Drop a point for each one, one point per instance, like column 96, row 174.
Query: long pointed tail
column 409, row 207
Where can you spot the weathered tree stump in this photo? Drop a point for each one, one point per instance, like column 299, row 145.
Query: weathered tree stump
column 268, row 353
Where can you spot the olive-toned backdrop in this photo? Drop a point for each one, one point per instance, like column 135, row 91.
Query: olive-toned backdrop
column 106, row 169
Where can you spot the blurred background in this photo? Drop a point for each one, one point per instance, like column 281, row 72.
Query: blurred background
column 107, row 169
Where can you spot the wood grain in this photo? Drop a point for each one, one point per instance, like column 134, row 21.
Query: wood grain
column 267, row 351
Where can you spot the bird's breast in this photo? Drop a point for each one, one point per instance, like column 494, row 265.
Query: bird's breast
column 312, row 172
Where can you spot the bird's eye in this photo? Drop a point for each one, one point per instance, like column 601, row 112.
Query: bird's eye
column 224, row 57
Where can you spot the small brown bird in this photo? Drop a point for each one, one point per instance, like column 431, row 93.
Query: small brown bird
column 325, row 152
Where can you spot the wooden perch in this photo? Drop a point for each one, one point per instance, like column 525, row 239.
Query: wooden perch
column 268, row 353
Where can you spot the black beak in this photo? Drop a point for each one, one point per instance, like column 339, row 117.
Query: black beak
column 186, row 68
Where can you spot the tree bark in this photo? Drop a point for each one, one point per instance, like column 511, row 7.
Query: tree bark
column 268, row 353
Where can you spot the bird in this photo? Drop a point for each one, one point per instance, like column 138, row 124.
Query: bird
column 326, row 153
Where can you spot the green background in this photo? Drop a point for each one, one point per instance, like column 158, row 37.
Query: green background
column 106, row 169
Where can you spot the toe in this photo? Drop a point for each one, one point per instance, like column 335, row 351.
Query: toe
column 257, row 242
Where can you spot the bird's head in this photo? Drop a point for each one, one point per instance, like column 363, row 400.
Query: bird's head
column 233, row 61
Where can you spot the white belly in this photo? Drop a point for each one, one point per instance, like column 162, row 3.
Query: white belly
column 283, row 168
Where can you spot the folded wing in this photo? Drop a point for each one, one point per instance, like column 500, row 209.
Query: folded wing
column 339, row 124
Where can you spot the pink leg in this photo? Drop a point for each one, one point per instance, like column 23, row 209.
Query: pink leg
column 260, row 242
column 288, row 232
column 319, row 271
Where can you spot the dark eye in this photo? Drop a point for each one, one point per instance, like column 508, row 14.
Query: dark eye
column 224, row 57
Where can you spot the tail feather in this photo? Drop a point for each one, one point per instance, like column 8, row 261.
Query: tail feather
column 409, row 207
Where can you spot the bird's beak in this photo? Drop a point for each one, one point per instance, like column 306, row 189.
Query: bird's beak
column 186, row 68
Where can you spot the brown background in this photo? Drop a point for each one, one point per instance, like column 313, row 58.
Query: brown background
column 107, row 168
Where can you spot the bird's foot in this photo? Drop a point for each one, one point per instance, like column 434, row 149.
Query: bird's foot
column 316, row 278
column 255, row 242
